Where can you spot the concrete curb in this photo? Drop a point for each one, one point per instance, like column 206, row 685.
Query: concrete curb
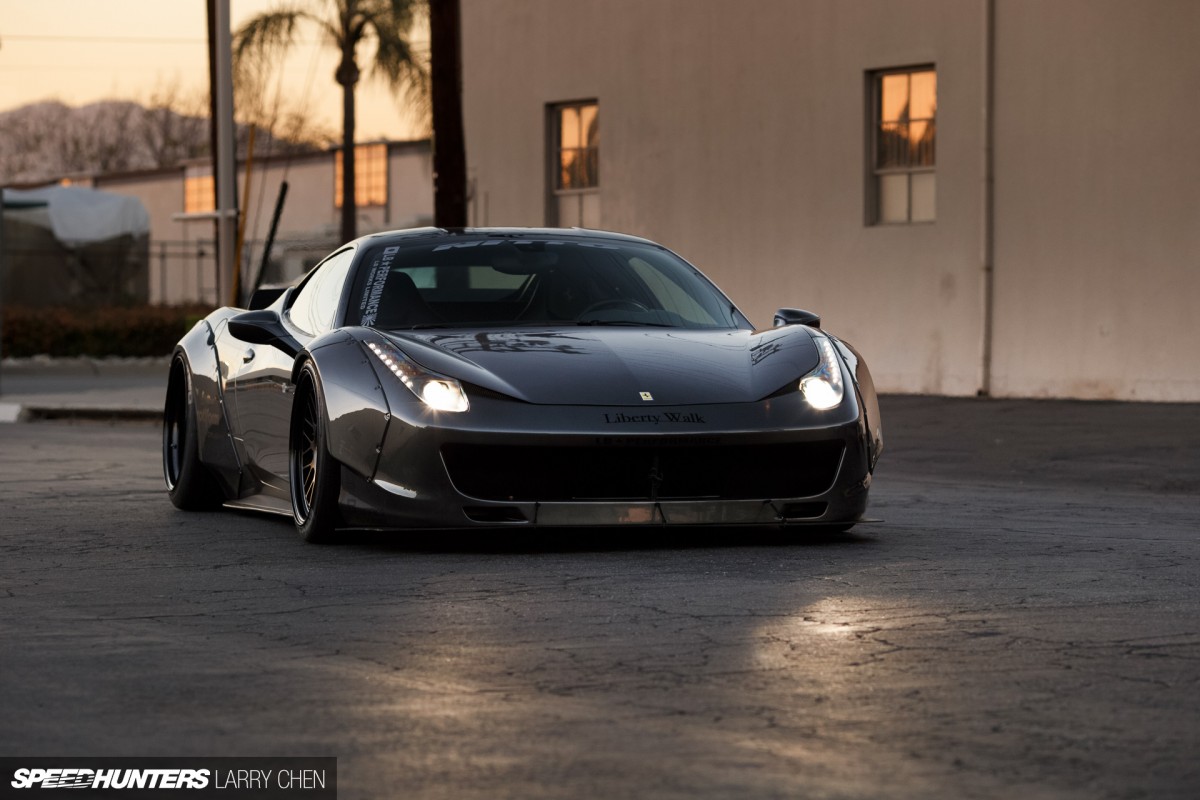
column 85, row 365
column 17, row 412
column 39, row 413
column 11, row 412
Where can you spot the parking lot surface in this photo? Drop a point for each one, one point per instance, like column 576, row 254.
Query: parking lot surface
column 1024, row 622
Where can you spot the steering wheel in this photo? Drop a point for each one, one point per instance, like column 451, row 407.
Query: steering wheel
column 615, row 303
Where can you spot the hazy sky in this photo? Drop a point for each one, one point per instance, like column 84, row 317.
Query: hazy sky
column 80, row 51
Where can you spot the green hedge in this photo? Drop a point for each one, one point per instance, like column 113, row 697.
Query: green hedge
column 64, row 332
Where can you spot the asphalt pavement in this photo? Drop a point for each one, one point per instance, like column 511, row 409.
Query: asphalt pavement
column 1025, row 621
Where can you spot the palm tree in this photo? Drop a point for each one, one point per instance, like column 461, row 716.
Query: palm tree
column 348, row 24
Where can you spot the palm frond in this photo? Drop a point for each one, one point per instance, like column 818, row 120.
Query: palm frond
column 396, row 63
column 260, row 42
column 268, row 31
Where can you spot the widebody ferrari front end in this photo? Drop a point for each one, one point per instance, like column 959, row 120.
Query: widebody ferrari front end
column 617, row 454
column 520, row 377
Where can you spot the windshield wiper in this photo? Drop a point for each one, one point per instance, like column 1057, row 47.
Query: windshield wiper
column 424, row 326
column 629, row 322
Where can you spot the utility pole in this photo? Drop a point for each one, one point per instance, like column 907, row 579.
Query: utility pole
column 449, row 141
column 225, row 152
column 2, row 268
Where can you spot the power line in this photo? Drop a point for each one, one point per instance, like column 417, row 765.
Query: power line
column 140, row 40
column 104, row 39
column 72, row 67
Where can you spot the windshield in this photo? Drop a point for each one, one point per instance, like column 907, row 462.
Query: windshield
column 503, row 282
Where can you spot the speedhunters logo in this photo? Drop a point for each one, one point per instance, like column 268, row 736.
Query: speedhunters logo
column 227, row 778
column 67, row 778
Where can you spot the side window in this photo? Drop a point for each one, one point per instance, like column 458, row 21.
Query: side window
column 315, row 307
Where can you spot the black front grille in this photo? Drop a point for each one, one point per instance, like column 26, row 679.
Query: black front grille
column 726, row 472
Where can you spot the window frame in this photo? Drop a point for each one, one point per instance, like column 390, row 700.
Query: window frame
column 198, row 194
column 554, row 151
column 365, row 156
column 873, row 216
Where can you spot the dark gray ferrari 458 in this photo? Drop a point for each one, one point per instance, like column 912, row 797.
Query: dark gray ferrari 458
column 516, row 377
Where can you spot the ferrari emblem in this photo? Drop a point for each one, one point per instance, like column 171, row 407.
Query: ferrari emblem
column 646, row 395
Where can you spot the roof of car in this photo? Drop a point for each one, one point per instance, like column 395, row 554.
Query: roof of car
column 507, row 233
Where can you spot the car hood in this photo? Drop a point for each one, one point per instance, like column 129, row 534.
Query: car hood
column 615, row 366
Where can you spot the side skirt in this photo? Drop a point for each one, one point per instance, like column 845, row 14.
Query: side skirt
column 262, row 503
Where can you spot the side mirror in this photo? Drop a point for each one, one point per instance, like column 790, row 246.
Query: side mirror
column 263, row 327
column 796, row 316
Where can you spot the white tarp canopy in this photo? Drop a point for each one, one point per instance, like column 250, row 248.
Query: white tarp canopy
column 81, row 216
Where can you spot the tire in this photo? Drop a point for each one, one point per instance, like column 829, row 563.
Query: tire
column 190, row 485
column 313, row 475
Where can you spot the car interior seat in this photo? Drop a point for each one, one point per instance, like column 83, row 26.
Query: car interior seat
column 401, row 305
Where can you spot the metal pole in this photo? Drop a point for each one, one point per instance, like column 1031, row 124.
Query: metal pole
column 449, row 142
column 241, row 228
column 226, row 172
column 283, row 190
column 213, row 125
column 162, row 273
column 200, row 297
column 2, row 267
column 988, row 234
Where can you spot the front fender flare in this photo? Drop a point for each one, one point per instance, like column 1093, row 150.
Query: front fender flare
column 358, row 413
column 868, row 400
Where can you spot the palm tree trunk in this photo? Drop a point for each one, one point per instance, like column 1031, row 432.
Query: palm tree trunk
column 449, row 143
column 348, row 78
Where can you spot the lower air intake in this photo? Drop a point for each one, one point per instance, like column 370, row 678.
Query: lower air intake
column 517, row 473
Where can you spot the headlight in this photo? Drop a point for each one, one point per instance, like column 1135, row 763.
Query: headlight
column 437, row 391
column 823, row 387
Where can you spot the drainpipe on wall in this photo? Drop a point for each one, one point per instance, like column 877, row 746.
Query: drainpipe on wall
column 987, row 248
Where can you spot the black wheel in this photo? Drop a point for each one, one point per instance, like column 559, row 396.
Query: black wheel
column 314, row 476
column 190, row 485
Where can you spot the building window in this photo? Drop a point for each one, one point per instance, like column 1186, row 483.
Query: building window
column 198, row 190
column 903, row 146
column 575, row 164
column 370, row 175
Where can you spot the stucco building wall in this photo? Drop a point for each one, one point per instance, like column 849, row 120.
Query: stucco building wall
column 739, row 137
column 1098, row 199
column 181, row 251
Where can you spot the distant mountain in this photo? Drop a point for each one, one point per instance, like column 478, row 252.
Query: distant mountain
column 48, row 140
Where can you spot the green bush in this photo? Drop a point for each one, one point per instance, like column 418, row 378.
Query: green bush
column 123, row 331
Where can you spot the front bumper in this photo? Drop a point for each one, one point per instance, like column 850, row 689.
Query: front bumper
column 672, row 464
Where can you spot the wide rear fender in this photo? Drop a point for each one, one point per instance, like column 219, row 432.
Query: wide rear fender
column 199, row 350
